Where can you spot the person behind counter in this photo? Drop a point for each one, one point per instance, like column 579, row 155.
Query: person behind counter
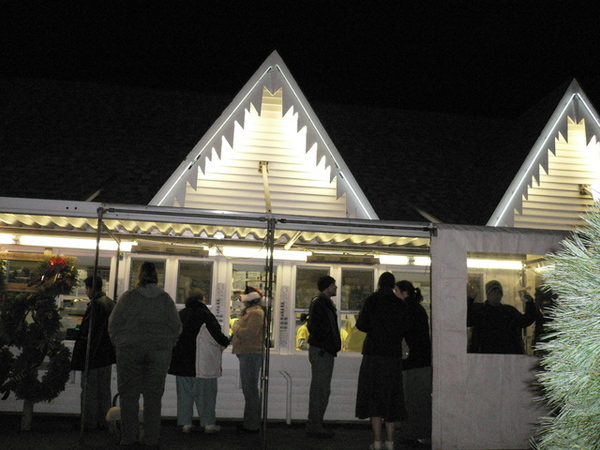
column 497, row 327
column 96, row 397
column 302, row 333
column 144, row 327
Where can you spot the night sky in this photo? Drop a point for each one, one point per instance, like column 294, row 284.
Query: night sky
column 492, row 58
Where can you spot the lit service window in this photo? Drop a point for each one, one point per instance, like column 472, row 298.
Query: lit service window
column 506, row 303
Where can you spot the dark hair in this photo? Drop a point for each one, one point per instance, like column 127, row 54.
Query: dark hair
column 147, row 274
column 387, row 281
column 194, row 298
column 407, row 286
column 93, row 283
column 324, row 282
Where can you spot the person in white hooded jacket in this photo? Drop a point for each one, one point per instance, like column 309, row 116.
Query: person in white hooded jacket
column 196, row 363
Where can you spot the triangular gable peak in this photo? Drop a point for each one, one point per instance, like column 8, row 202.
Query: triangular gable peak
column 554, row 186
column 267, row 152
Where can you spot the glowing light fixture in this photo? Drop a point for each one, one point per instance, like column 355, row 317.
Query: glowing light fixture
column 422, row 261
column 85, row 244
column 7, row 239
column 494, row 264
column 396, row 260
column 400, row 260
column 254, row 253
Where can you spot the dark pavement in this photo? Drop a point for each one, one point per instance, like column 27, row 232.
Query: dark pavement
column 60, row 432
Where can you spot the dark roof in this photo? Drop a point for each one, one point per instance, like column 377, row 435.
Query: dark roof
column 68, row 140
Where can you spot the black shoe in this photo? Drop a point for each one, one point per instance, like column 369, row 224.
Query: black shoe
column 321, row 434
column 243, row 430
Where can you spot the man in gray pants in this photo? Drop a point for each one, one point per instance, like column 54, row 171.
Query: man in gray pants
column 144, row 327
column 324, row 340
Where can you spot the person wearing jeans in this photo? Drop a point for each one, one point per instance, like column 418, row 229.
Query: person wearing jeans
column 248, row 345
column 197, row 363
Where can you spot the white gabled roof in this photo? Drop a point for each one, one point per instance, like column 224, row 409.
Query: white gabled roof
column 269, row 120
column 553, row 187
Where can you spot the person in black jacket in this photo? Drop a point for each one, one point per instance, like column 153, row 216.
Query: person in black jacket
column 96, row 385
column 497, row 327
column 324, row 343
column 380, row 394
column 196, row 362
column 416, row 367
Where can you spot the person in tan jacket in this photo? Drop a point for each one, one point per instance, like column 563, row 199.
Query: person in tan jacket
column 248, row 344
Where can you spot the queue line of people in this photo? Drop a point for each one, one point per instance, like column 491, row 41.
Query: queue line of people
column 151, row 338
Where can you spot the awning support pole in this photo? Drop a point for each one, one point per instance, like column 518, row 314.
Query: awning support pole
column 85, row 372
column 264, row 379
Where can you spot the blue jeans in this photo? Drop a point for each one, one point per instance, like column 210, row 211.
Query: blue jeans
column 250, row 365
column 141, row 371
column 321, row 364
column 199, row 391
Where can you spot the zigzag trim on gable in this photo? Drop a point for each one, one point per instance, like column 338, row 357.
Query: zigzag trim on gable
column 272, row 75
column 574, row 106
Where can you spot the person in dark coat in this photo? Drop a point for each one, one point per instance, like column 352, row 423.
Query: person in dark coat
column 497, row 327
column 416, row 368
column 380, row 394
column 96, row 385
column 324, row 343
column 196, row 363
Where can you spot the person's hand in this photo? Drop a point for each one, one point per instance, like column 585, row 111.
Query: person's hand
column 527, row 297
column 471, row 291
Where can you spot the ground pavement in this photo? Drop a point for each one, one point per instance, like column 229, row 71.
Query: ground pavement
column 53, row 432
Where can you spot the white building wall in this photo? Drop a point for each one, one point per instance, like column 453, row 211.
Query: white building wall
column 230, row 400
column 480, row 401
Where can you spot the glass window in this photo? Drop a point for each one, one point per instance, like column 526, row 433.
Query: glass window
column 357, row 284
column 306, row 290
column 135, row 268
column 352, row 337
column 85, row 268
column 505, row 302
column 20, row 272
column 306, row 285
column 194, row 275
column 247, row 275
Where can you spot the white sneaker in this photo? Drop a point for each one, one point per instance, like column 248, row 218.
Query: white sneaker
column 188, row 428
column 212, row 429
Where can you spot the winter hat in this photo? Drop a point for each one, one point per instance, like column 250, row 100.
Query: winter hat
column 491, row 285
column 252, row 296
column 324, row 282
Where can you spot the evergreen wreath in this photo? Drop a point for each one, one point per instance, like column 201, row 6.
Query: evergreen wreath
column 30, row 323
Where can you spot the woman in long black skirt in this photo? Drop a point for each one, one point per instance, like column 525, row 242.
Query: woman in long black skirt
column 380, row 394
